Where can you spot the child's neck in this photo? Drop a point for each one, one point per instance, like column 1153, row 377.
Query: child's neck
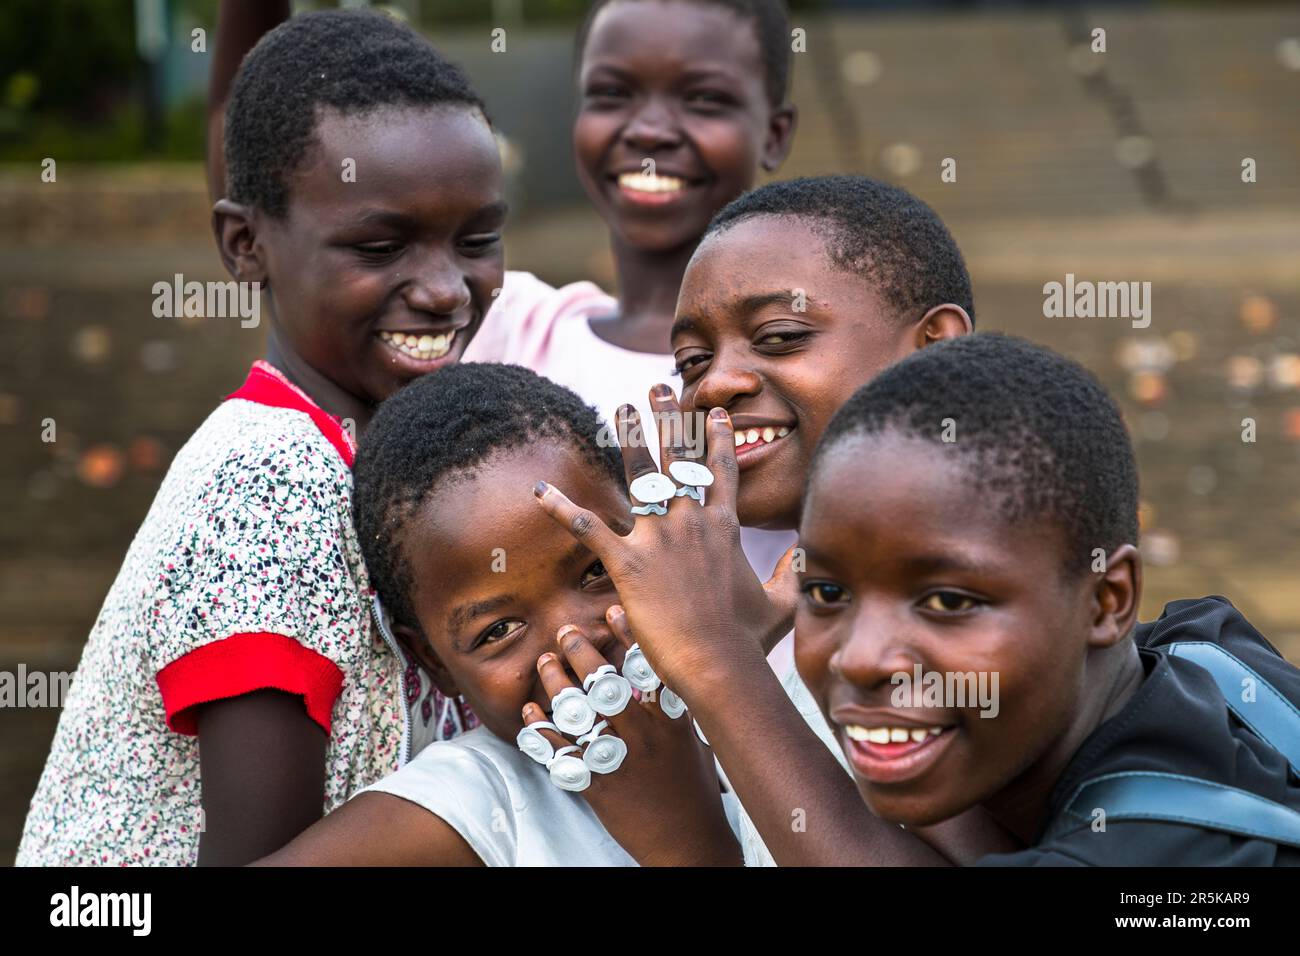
column 326, row 393
column 648, row 283
column 1021, row 807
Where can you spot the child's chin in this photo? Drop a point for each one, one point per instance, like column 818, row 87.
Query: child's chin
column 760, row 507
column 911, row 811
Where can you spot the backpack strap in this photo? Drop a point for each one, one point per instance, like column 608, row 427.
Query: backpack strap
column 1174, row 798
column 1270, row 716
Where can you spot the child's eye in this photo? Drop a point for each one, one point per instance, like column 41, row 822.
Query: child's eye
column 688, row 363
column 606, row 93
column 708, row 98
column 477, row 245
column 780, row 339
column 594, row 573
column 825, row 594
column 379, row 250
column 948, row 602
column 500, row 631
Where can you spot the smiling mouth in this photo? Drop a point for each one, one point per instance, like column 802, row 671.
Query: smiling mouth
column 651, row 189
column 424, row 348
column 893, row 754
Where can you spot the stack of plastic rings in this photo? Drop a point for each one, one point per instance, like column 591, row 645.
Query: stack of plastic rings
column 655, row 489
column 574, row 712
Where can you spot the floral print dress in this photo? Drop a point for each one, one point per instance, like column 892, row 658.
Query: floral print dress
column 245, row 575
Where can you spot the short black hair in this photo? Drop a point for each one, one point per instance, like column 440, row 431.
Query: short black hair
column 879, row 231
column 1042, row 434
column 441, row 428
column 347, row 60
column 771, row 23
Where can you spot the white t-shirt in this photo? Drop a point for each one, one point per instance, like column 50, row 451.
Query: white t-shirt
column 505, row 807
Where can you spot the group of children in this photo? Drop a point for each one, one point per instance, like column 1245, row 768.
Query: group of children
column 327, row 650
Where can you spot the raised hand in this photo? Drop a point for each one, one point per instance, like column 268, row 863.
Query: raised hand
column 690, row 595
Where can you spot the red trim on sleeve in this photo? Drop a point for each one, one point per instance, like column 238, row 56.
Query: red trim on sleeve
column 266, row 385
column 242, row 664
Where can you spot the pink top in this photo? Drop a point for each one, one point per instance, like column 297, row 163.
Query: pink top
column 548, row 330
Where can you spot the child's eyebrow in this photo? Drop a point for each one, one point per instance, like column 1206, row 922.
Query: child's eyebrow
column 939, row 563
column 745, row 305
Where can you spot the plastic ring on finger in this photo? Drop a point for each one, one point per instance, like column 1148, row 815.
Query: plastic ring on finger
column 691, row 473
column 571, row 711
column 652, row 488
column 569, row 772
column 595, row 675
column 671, row 704
column 605, row 753
column 609, row 693
column 694, row 478
column 691, row 491
column 533, row 743
column 649, row 510
column 638, row 671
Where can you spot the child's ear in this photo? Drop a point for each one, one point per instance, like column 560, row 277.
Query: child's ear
column 235, row 228
column 945, row 321
column 1116, row 596
column 417, row 645
column 780, row 136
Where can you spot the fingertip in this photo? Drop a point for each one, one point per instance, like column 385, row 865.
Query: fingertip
column 540, row 489
column 545, row 659
column 565, row 631
column 719, row 415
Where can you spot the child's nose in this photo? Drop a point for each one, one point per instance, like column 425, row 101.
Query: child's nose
column 722, row 384
column 873, row 653
column 653, row 125
column 438, row 288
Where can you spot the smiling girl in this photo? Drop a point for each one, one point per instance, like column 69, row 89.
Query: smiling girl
column 232, row 688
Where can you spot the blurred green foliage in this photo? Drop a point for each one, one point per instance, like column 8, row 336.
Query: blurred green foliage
column 70, row 82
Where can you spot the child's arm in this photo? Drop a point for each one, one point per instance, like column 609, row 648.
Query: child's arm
column 377, row 829
column 240, row 24
column 262, row 763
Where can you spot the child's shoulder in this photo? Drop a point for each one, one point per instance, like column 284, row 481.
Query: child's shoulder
column 1176, row 726
column 271, row 437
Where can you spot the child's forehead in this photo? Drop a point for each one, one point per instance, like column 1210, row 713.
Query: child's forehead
column 402, row 158
column 770, row 258
column 890, row 496
column 491, row 503
column 689, row 29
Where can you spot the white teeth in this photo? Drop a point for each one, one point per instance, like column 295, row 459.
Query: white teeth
column 891, row 735
column 650, row 183
column 422, row 347
column 767, row 434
